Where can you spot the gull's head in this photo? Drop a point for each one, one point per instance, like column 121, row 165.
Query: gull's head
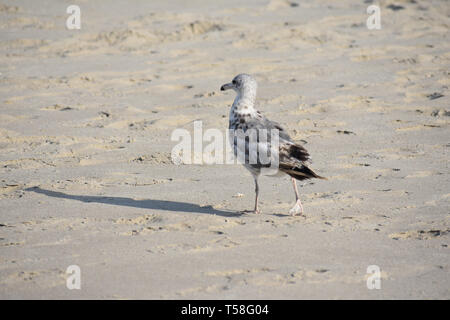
column 242, row 83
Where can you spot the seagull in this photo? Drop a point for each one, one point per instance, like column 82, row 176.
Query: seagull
column 292, row 158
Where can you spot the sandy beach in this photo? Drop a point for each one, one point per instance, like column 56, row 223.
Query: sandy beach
column 87, row 179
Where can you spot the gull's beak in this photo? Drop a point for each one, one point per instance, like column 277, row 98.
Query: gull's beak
column 226, row 86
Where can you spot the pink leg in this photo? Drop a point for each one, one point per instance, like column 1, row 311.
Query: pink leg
column 297, row 209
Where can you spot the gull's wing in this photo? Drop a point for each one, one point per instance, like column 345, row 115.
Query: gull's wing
column 288, row 151
column 292, row 157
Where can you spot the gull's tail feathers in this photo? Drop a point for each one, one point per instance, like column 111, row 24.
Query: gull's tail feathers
column 300, row 173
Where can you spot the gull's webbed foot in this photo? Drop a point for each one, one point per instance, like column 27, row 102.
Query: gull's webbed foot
column 297, row 209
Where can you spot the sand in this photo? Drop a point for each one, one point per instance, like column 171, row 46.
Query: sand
column 86, row 176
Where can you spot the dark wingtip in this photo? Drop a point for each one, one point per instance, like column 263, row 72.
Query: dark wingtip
column 301, row 173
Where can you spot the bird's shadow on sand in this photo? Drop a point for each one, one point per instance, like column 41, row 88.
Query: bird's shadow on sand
column 145, row 204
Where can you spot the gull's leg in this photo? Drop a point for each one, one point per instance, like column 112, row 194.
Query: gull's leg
column 256, row 210
column 256, row 194
column 297, row 209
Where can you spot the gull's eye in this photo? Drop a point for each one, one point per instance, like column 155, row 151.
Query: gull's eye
column 233, row 82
